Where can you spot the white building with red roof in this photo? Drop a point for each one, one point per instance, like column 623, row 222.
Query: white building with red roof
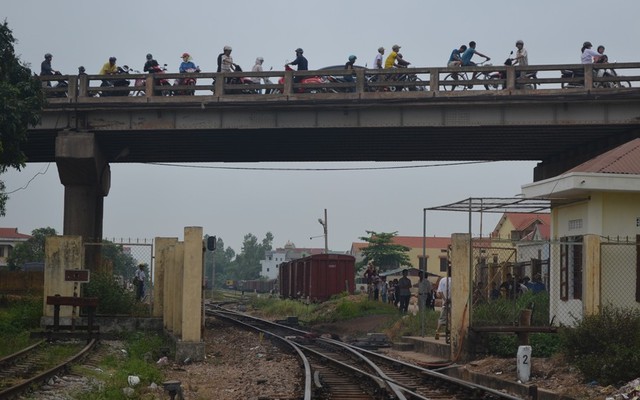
column 9, row 238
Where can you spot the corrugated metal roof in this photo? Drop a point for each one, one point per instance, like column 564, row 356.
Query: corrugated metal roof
column 624, row 159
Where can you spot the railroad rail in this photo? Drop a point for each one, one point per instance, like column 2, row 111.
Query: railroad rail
column 34, row 364
column 343, row 371
column 367, row 83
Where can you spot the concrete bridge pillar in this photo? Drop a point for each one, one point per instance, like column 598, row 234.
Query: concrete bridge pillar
column 86, row 177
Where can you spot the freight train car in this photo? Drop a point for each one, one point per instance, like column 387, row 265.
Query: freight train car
column 317, row 277
column 258, row 285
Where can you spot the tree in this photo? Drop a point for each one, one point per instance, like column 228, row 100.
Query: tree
column 223, row 262
column 383, row 252
column 21, row 102
column 247, row 263
column 30, row 251
column 122, row 264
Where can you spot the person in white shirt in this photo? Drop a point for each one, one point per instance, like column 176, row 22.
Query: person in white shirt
column 444, row 292
column 424, row 290
column 589, row 56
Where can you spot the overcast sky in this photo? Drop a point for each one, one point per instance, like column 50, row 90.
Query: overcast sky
column 152, row 200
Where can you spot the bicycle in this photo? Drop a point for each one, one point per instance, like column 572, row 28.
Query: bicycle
column 462, row 77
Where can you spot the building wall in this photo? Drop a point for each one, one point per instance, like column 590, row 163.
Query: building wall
column 269, row 268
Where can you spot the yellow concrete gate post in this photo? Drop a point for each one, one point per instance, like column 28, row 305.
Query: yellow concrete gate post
column 61, row 253
column 159, row 274
column 461, row 278
column 191, row 346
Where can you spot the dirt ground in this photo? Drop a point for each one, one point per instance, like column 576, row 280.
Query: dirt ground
column 243, row 365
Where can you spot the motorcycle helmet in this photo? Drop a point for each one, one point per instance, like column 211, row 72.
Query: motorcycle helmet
column 260, row 60
column 149, row 56
column 395, row 47
column 225, row 48
column 352, row 58
column 519, row 42
column 112, row 59
column 81, row 69
column 185, row 55
column 587, row 44
column 380, row 49
column 48, row 55
column 299, row 50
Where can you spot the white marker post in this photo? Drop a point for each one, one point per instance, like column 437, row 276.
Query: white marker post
column 524, row 363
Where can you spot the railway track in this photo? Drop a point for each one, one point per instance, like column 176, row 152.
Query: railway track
column 341, row 371
column 37, row 363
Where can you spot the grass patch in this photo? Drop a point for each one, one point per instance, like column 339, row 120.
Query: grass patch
column 18, row 315
column 142, row 349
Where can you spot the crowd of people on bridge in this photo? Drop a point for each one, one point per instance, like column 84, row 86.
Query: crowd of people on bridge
column 461, row 56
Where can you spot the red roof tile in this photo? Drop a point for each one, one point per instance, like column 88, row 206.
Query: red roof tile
column 12, row 233
column 624, row 159
column 413, row 242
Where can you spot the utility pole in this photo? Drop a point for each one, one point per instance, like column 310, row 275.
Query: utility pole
column 326, row 234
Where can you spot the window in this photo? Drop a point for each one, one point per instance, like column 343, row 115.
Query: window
column 571, row 268
column 423, row 262
column 267, row 269
column 2, row 251
column 444, row 263
column 575, row 224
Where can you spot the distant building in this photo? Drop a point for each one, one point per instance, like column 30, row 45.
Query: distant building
column 435, row 259
column 274, row 258
column 9, row 238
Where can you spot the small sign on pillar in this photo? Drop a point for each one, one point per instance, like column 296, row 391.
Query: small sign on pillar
column 76, row 275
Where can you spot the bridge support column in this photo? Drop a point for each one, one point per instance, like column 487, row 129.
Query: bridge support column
column 86, row 177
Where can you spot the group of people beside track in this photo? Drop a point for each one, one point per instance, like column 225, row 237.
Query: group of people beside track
column 459, row 57
column 399, row 292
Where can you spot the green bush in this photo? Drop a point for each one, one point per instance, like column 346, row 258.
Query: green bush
column 113, row 297
column 17, row 315
column 507, row 312
column 605, row 347
column 542, row 344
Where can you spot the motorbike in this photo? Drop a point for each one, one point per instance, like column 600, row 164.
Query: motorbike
column 241, row 81
column 60, row 88
column 304, row 80
column 189, row 81
column 140, row 83
column 598, row 72
column 502, row 75
column 116, row 83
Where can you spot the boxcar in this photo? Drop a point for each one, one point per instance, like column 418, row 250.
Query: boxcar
column 258, row 285
column 317, row 277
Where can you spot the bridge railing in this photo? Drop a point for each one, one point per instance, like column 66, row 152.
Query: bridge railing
column 374, row 83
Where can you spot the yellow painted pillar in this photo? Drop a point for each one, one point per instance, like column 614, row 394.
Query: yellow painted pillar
column 177, row 286
column 461, row 278
column 169, row 256
column 60, row 253
column 161, row 245
column 591, row 294
column 192, row 285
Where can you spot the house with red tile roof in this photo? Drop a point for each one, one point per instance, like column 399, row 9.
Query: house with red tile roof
column 595, row 216
column 435, row 252
column 9, row 238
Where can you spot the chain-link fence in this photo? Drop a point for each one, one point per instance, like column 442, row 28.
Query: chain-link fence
column 549, row 277
column 620, row 267
column 113, row 265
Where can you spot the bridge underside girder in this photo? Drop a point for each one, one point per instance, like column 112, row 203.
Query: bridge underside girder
column 558, row 131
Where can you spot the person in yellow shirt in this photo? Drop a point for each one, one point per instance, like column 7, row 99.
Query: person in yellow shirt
column 109, row 67
column 390, row 61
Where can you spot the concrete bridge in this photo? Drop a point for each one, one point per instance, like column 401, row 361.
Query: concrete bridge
column 380, row 115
